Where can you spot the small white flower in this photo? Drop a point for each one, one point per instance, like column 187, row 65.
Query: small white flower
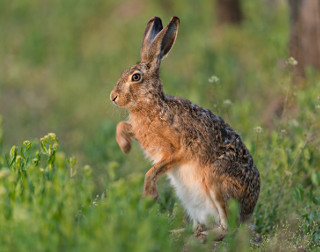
column 227, row 102
column 258, row 129
column 213, row 79
column 292, row 61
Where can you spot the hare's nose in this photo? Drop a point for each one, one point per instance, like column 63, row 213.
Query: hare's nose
column 113, row 96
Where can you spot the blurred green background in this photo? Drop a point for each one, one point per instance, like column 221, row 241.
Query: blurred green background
column 60, row 59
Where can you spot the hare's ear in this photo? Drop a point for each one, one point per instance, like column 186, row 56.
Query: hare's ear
column 163, row 42
column 154, row 26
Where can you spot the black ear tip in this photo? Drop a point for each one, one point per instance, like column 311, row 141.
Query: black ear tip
column 175, row 19
column 155, row 19
column 156, row 23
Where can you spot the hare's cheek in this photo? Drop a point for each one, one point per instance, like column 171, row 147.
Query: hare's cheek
column 125, row 100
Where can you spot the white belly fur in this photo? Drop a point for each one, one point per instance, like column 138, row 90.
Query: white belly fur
column 188, row 185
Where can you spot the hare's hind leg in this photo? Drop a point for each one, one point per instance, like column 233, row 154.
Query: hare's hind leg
column 124, row 135
column 220, row 230
column 219, row 205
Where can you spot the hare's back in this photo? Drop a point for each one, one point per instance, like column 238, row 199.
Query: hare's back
column 202, row 133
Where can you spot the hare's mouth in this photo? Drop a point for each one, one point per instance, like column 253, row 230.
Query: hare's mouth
column 117, row 102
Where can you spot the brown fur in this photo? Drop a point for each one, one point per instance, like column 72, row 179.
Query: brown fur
column 173, row 131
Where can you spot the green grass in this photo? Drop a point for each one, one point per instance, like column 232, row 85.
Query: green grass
column 59, row 61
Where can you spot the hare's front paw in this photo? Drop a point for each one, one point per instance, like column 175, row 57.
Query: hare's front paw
column 124, row 144
column 124, row 136
column 150, row 189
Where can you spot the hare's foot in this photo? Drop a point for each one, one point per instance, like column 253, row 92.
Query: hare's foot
column 150, row 189
column 197, row 227
column 124, row 136
column 218, row 233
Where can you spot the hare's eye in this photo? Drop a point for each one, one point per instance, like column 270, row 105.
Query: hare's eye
column 136, row 77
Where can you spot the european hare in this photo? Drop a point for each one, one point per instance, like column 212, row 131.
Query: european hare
column 203, row 156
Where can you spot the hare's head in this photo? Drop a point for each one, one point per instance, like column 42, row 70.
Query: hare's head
column 141, row 83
